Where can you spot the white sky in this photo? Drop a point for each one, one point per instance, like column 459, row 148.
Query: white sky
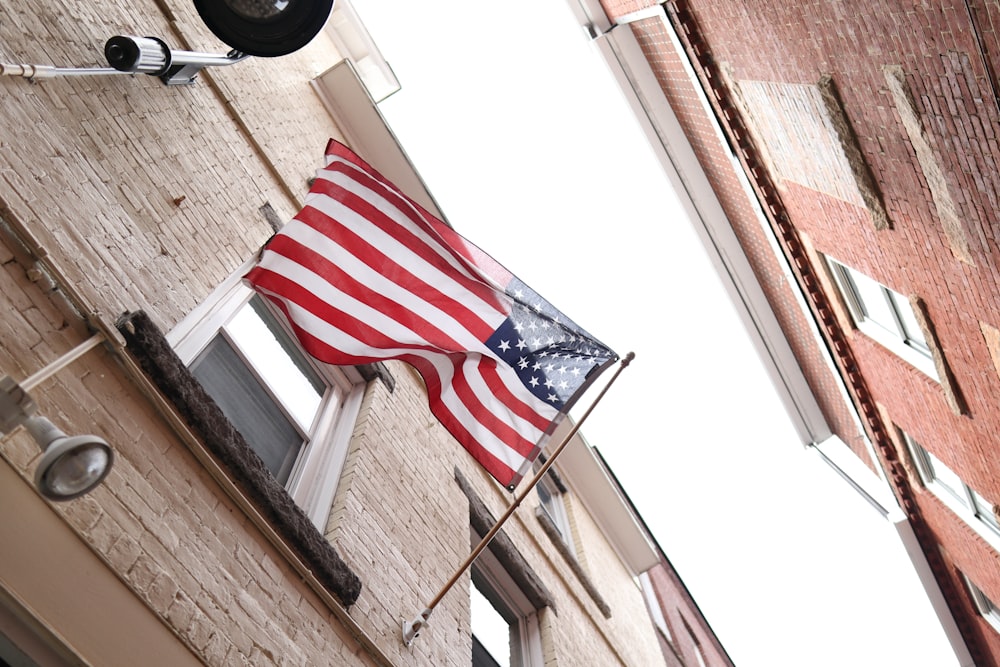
column 513, row 122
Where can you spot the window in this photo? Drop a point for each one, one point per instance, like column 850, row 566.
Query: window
column 550, row 499
column 505, row 628
column 885, row 315
column 295, row 413
column 984, row 605
column 653, row 605
column 959, row 496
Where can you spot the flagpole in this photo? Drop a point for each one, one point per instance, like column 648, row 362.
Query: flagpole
column 411, row 629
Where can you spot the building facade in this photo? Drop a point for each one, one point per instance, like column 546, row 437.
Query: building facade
column 839, row 161
column 246, row 520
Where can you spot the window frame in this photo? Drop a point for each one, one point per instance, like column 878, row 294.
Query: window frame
column 315, row 474
column 966, row 502
column 502, row 590
column 555, row 509
column 898, row 335
column 987, row 609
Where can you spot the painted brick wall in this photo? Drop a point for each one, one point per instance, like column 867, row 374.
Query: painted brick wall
column 147, row 197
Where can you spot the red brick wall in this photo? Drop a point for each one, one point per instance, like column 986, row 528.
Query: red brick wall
column 718, row 167
column 947, row 55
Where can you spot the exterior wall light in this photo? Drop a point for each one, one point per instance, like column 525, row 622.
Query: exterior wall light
column 266, row 28
column 70, row 465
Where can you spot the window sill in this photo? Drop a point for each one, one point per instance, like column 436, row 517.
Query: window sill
column 147, row 344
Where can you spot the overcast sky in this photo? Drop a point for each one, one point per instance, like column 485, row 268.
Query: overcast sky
column 512, row 120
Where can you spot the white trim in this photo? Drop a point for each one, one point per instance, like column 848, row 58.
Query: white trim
column 588, row 478
column 922, row 361
column 871, row 486
column 985, row 606
column 516, row 603
column 317, row 470
column 627, row 63
column 354, row 111
column 653, row 604
column 964, row 510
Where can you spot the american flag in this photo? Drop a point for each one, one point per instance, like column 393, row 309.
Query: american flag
column 365, row 274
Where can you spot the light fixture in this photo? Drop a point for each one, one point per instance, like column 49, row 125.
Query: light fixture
column 266, row 28
column 70, row 466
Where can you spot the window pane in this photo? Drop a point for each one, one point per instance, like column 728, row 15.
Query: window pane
column 251, row 409
column 944, row 476
column 911, row 328
column 873, row 301
column 278, row 360
column 984, row 510
column 490, row 630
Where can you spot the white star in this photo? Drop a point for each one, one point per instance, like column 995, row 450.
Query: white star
column 548, row 383
column 553, row 398
column 533, row 382
column 521, row 344
column 564, row 385
column 504, row 345
column 537, row 366
column 522, row 363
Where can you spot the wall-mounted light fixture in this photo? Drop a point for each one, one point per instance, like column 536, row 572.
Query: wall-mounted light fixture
column 70, row 466
column 267, row 28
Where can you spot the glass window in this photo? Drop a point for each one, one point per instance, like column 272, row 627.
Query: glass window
column 984, row 605
column 551, row 501
column 263, row 384
column 491, row 631
column 295, row 413
column 975, row 509
column 885, row 315
column 505, row 627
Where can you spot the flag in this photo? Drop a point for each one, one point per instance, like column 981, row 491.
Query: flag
column 365, row 274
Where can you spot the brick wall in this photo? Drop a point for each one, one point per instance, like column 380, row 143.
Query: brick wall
column 147, row 197
column 916, row 86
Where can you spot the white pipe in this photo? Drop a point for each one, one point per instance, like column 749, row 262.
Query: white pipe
column 62, row 362
column 36, row 72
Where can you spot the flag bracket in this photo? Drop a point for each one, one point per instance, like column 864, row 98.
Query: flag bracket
column 411, row 629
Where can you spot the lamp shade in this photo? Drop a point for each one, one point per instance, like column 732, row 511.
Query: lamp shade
column 70, row 466
column 266, row 28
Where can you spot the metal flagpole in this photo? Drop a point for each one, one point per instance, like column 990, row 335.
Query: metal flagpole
column 411, row 629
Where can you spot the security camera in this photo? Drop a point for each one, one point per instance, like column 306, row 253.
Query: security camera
column 137, row 54
column 149, row 55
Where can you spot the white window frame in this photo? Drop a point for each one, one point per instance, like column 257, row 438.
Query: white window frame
column 501, row 584
column 319, row 466
column 984, row 605
column 555, row 510
column 899, row 341
column 653, row 604
column 969, row 505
